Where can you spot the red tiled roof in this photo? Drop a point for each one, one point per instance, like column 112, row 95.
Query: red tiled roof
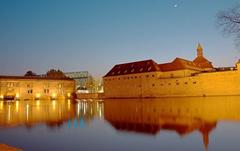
column 202, row 62
column 178, row 64
column 133, row 68
column 150, row 66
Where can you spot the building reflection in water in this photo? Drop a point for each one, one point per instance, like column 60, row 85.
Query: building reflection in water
column 30, row 113
column 182, row 115
column 87, row 110
column 52, row 113
column 148, row 116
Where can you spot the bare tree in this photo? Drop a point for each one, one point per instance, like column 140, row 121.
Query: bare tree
column 229, row 21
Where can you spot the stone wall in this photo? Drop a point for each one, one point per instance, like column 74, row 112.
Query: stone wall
column 153, row 84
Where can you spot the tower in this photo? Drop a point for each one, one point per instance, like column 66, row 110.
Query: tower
column 201, row 61
column 238, row 65
column 199, row 50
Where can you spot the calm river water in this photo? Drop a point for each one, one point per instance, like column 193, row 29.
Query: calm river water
column 169, row 124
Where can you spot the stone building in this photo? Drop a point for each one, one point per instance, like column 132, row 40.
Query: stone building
column 53, row 85
column 180, row 77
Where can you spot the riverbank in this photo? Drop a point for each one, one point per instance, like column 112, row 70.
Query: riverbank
column 4, row 147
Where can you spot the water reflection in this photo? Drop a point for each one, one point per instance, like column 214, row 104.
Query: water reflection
column 182, row 115
column 30, row 113
column 146, row 116
column 86, row 111
column 52, row 113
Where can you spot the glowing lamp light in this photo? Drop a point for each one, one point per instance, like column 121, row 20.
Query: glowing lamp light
column 54, row 95
column 38, row 95
column 17, row 106
column 1, row 96
column 68, row 94
column 17, row 95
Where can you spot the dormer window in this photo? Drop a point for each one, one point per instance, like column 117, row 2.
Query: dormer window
column 149, row 68
column 132, row 70
column 125, row 71
column 113, row 73
column 141, row 70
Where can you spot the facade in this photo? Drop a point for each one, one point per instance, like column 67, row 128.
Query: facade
column 53, row 85
column 180, row 77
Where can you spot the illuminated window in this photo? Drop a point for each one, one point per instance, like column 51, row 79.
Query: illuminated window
column 46, row 91
column 186, row 82
column 9, row 85
column 169, row 83
column 30, row 91
column 177, row 83
column 153, row 85
column 194, row 82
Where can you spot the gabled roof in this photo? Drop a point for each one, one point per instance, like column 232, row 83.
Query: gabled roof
column 133, row 68
column 178, row 64
column 202, row 62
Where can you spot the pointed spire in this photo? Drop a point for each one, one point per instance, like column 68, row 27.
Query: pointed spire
column 205, row 140
column 199, row 50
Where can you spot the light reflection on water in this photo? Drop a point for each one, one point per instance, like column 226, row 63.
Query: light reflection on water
column 122, row 124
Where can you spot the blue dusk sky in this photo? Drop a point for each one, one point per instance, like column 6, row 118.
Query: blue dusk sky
column 94, row 35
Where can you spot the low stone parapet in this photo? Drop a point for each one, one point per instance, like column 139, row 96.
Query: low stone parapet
column 90, row 95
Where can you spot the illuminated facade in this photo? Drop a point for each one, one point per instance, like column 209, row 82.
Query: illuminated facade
column 178, row 78
column 53, row 85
